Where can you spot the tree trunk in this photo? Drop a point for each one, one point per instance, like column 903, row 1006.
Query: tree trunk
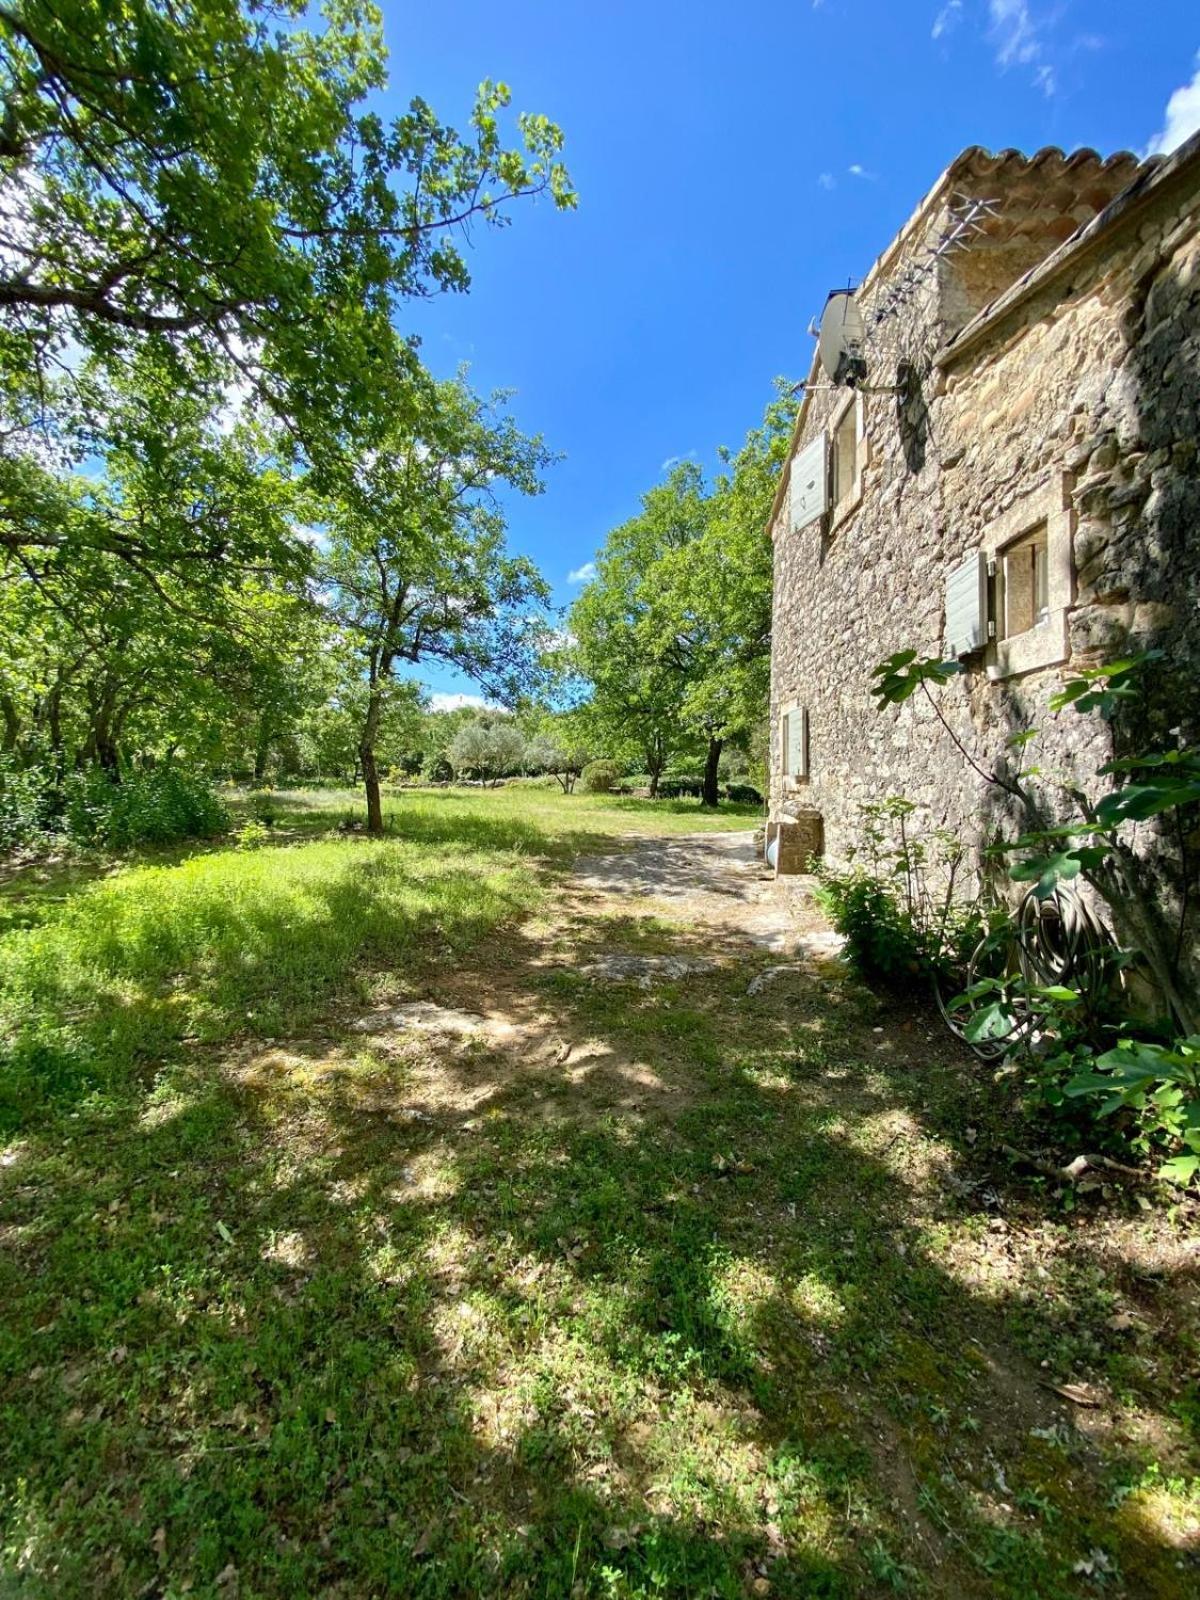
column 366, row 760
column 54, row 723
column 12, row 722
column 262, row 749
column 656, row 760
column 711, row 793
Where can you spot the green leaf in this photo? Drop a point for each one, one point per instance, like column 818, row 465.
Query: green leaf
column 1047, row 872
column 1135, row 802
column 1180, row 1169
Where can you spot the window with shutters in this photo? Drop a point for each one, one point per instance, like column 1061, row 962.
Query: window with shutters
column 847, row 452
column 1022, row 580
column 793, row 745
column 1031, row 579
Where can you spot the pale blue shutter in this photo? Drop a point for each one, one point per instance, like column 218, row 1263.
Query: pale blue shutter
column 966, row 606
column 808, row 491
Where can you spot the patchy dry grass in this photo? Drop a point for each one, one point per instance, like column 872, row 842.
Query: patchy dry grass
column 587, row 1289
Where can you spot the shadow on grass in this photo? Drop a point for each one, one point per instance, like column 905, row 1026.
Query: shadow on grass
column 254, row 944
column 645, row 1301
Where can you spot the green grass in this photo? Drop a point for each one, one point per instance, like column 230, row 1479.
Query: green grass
column 517, row 815
column 231, row 943
column 682, row 1293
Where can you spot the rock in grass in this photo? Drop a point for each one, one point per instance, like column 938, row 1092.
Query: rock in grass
column 645, row 970
column 763, row 980
column 420, row 1016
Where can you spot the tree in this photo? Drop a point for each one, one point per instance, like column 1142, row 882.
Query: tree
column 206, row 235
column 715, row 597
column 674, row 632
column 487, row 748
column 560, row 750
column 150, row 660
column 636, row 693
column 205, row 175
column 416, row 568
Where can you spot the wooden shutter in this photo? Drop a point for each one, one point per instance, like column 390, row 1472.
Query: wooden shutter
column 808, row 485
column 795, row 744
column 966, row 606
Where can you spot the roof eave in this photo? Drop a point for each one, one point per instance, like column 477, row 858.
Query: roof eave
column 1124, row 208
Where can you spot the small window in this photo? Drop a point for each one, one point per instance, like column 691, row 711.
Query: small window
column 794, row 741
column 845, row 456
column 1023, row 584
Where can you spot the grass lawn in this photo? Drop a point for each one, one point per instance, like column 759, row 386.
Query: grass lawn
column 595, row 1290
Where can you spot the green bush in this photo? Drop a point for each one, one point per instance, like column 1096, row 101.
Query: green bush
column 600, row 777
column 154, row 807
column 898, row 905
column 28, row 802
column 672, row 786
column 744, row 794
column 1161, row 1086
column 882, row 943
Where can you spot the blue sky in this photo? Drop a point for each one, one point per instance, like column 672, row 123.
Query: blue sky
column 734, row 162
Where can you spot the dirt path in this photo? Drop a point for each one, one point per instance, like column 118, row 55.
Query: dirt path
column 671, row 969
column 712, row 880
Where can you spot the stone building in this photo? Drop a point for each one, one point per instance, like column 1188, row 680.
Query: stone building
column 1014, row 482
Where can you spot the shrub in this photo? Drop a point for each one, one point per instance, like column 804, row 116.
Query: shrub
column 600, row 777
column 436, row 769
column 1161, row 1085
column 882, row 943
column 251, row 834
column 154, row 807
column 744, row 794
column 28, row 802
column 898, row 905
column 673, row 787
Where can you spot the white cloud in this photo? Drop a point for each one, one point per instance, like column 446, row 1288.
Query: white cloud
column 827, row 181
column 583, row 574
column 1016, row 35
column 858, row 171
column 455, row 702
column 317, row 537
column 947, row 18
column 1182, row 118
column 1014, row 32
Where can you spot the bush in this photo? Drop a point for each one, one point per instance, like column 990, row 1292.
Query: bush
column 28, row 802
column 744, row 794
column 154, row 807
column 600, row 777
column 672, row 787
column 898, row 905
column 882, row 944
column 1161, row 1085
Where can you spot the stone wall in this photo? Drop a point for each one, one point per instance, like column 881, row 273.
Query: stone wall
column 1085, row 395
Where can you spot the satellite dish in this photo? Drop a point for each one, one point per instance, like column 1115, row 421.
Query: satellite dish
column 840, row 340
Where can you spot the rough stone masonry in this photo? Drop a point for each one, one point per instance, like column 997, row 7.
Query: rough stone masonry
column 1049, row 375
column 1045, row 418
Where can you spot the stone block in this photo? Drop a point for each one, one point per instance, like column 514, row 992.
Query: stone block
column 801, row 841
